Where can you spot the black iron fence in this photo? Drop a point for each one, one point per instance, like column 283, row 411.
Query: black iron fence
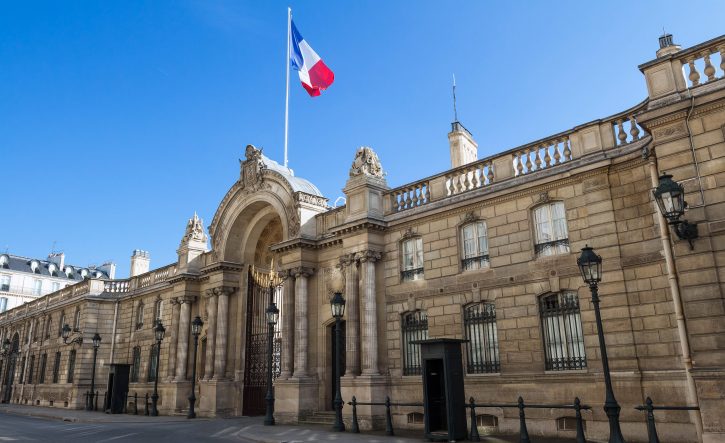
column 650, row 408
column 388, row 416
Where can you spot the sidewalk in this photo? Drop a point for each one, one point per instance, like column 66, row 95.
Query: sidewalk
column 82, row 416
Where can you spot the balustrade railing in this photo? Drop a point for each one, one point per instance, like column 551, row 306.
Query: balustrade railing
column 116, row 286
column 549, row 153
column 705, row 57
column 471, row 176
column 410, row 196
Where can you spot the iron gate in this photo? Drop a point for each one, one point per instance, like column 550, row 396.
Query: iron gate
column 262, row 290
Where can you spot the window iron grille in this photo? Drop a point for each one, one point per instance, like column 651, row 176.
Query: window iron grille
column 562, row 332
column 414, row 328
column 471, row 263
column 554, row 246
column 482, row 335
column 411, row 274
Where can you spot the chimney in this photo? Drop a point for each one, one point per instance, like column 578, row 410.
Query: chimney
column 140, row 262
column 666, row 46
column 109, row 268
column 464, row 149
column 58, row 258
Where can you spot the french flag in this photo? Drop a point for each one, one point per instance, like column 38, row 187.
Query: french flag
column 314, row 74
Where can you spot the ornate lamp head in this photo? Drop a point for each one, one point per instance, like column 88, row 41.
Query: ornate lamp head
column 159, row 331
column 196, row 325
column 590, row 266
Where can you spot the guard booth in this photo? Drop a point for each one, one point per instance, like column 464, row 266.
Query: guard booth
column 117, row 388
column 444, row 400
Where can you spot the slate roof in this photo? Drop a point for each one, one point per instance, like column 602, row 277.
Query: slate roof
column 297, row 183
column 23, row 264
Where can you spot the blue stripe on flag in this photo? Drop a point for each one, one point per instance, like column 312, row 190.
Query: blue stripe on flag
column 295, row 52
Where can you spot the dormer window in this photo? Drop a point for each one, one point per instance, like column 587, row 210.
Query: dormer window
column 4, row 261
column 84, row 273
column 35, row 266
column 53, row 270
column 98, row 274
column 69, row 271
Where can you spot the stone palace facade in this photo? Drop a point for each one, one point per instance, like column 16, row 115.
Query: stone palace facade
column 485, row 251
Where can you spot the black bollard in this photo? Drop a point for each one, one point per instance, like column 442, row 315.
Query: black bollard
column 135, row 403
column 474, row 427
column 651, row 427
column 95, row 405
column 579, row 422
column 146, row 406
column 355, row 428
column 125, row 402
column 388, row 418
column 523, row 432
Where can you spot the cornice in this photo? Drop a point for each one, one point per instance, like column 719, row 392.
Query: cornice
column 222, row 266
column 183, row 277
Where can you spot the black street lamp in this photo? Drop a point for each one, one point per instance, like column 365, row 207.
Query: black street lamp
column 337, row 304
column 272, row 317
column 96, row 345
column 590, row 265
column 196, row 325
column 670, row 197
column 65, row 332
column 159, row 331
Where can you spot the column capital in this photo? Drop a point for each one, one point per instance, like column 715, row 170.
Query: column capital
column 369, row 255
column 189, row 299
column 302, row 271
column 347, row 260
column 220, row 290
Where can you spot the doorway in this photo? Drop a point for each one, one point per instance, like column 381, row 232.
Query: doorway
column 336, row 359
column 436, row 388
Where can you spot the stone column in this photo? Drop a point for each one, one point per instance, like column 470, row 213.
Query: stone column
column 288, row 326
column 352, row 328
column 182, row 343
column 171, row 369
column 220, row 359
column 211, row 334
column 301, row 332
column 369, row 313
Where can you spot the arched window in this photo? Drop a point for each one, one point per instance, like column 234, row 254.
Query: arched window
column 479, row 320
column 414, row 327
column 551, row 232
column 139, row 316
column 158, row 310
column 53, row 270
column 4, row 261
column 35, row 266
column 562, row 331
column 84, row 273
column 412, row 259
column 474, row 242
column 77, row 320
column 69, row 271
column 136, row 364
column 153, row 361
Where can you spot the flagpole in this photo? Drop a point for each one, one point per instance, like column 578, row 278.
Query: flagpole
column 286, row 99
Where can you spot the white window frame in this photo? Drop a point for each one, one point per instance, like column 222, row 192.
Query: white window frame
column 551, row 233
column 411, row 256
column 5, row 282
column 474, row 246
column 37, row 286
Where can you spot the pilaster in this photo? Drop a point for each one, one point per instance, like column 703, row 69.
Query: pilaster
column 301, row 328
column 369, row 313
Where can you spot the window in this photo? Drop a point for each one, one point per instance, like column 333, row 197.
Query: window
column 54, row 286
column 61, row 324
column 412, row 259
column 37, row 286
column 53, row 270
column 69, row 271
column 482, row 347
column 568, row 424
column 77, row 321
column 139, row 316
column 158, row 309
column 486, row 421
column 475, row 246
column 4, row 283
column 415, row 327
column 552, row 235
column 71, row 365
column 36, row 330
column 84, row 273
column 30, row 369
column 562, row 331
column 415, row 418
column 3, row 304
column 153, row 355
column 4, row 261
column 35, row 266
column 136, row 364
column 22, row 371
column 41, row 370
column 56, row 367
column 48, row 327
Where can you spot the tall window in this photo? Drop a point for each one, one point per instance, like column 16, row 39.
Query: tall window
column 71, row 365
column 61, row 323
column 54, row 286
column 414, row 327
column 36, row 330
column 475, row 246
column 139, row 316
column 552, row 235
column 31, row 367
column 151, row 376
column 77, row 320
column 56, row 367
column 4, row 283
column 562, row 328
column 412, row 268
column 3, row 304
column 136, row 364
column 480, row 322
column 37, row 286
column 158, row 309
column 22, row 371
column 48, row 327
column 41, row 370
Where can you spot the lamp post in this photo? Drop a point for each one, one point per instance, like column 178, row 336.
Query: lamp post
column 196, row 325
column 670, row 197
column 96, row 345
column 7, row 353
column 159, row 331
column 590, row 266
column 337, row 304
column 272, row 314
column 65, row 333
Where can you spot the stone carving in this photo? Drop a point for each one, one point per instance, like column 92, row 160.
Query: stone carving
column 302, row 271
column 543, row 197
column 366, row 163
column 469, row 217
column 347, row 260
column 316, row 200
column 220, row 290
column 194, row 231
column 409, row 233
column 670, row 131
column 369, row 255
column 293, row 220
column 331, row 276
column 252, row 168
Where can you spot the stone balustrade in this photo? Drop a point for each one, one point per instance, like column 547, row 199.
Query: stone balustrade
column 114, row 286
column 545, row 154
column 704, row 58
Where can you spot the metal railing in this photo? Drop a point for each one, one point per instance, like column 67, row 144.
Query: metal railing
column 650, row 408
column 388, row 416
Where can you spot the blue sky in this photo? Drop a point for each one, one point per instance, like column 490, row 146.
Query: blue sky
column 119, row 119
